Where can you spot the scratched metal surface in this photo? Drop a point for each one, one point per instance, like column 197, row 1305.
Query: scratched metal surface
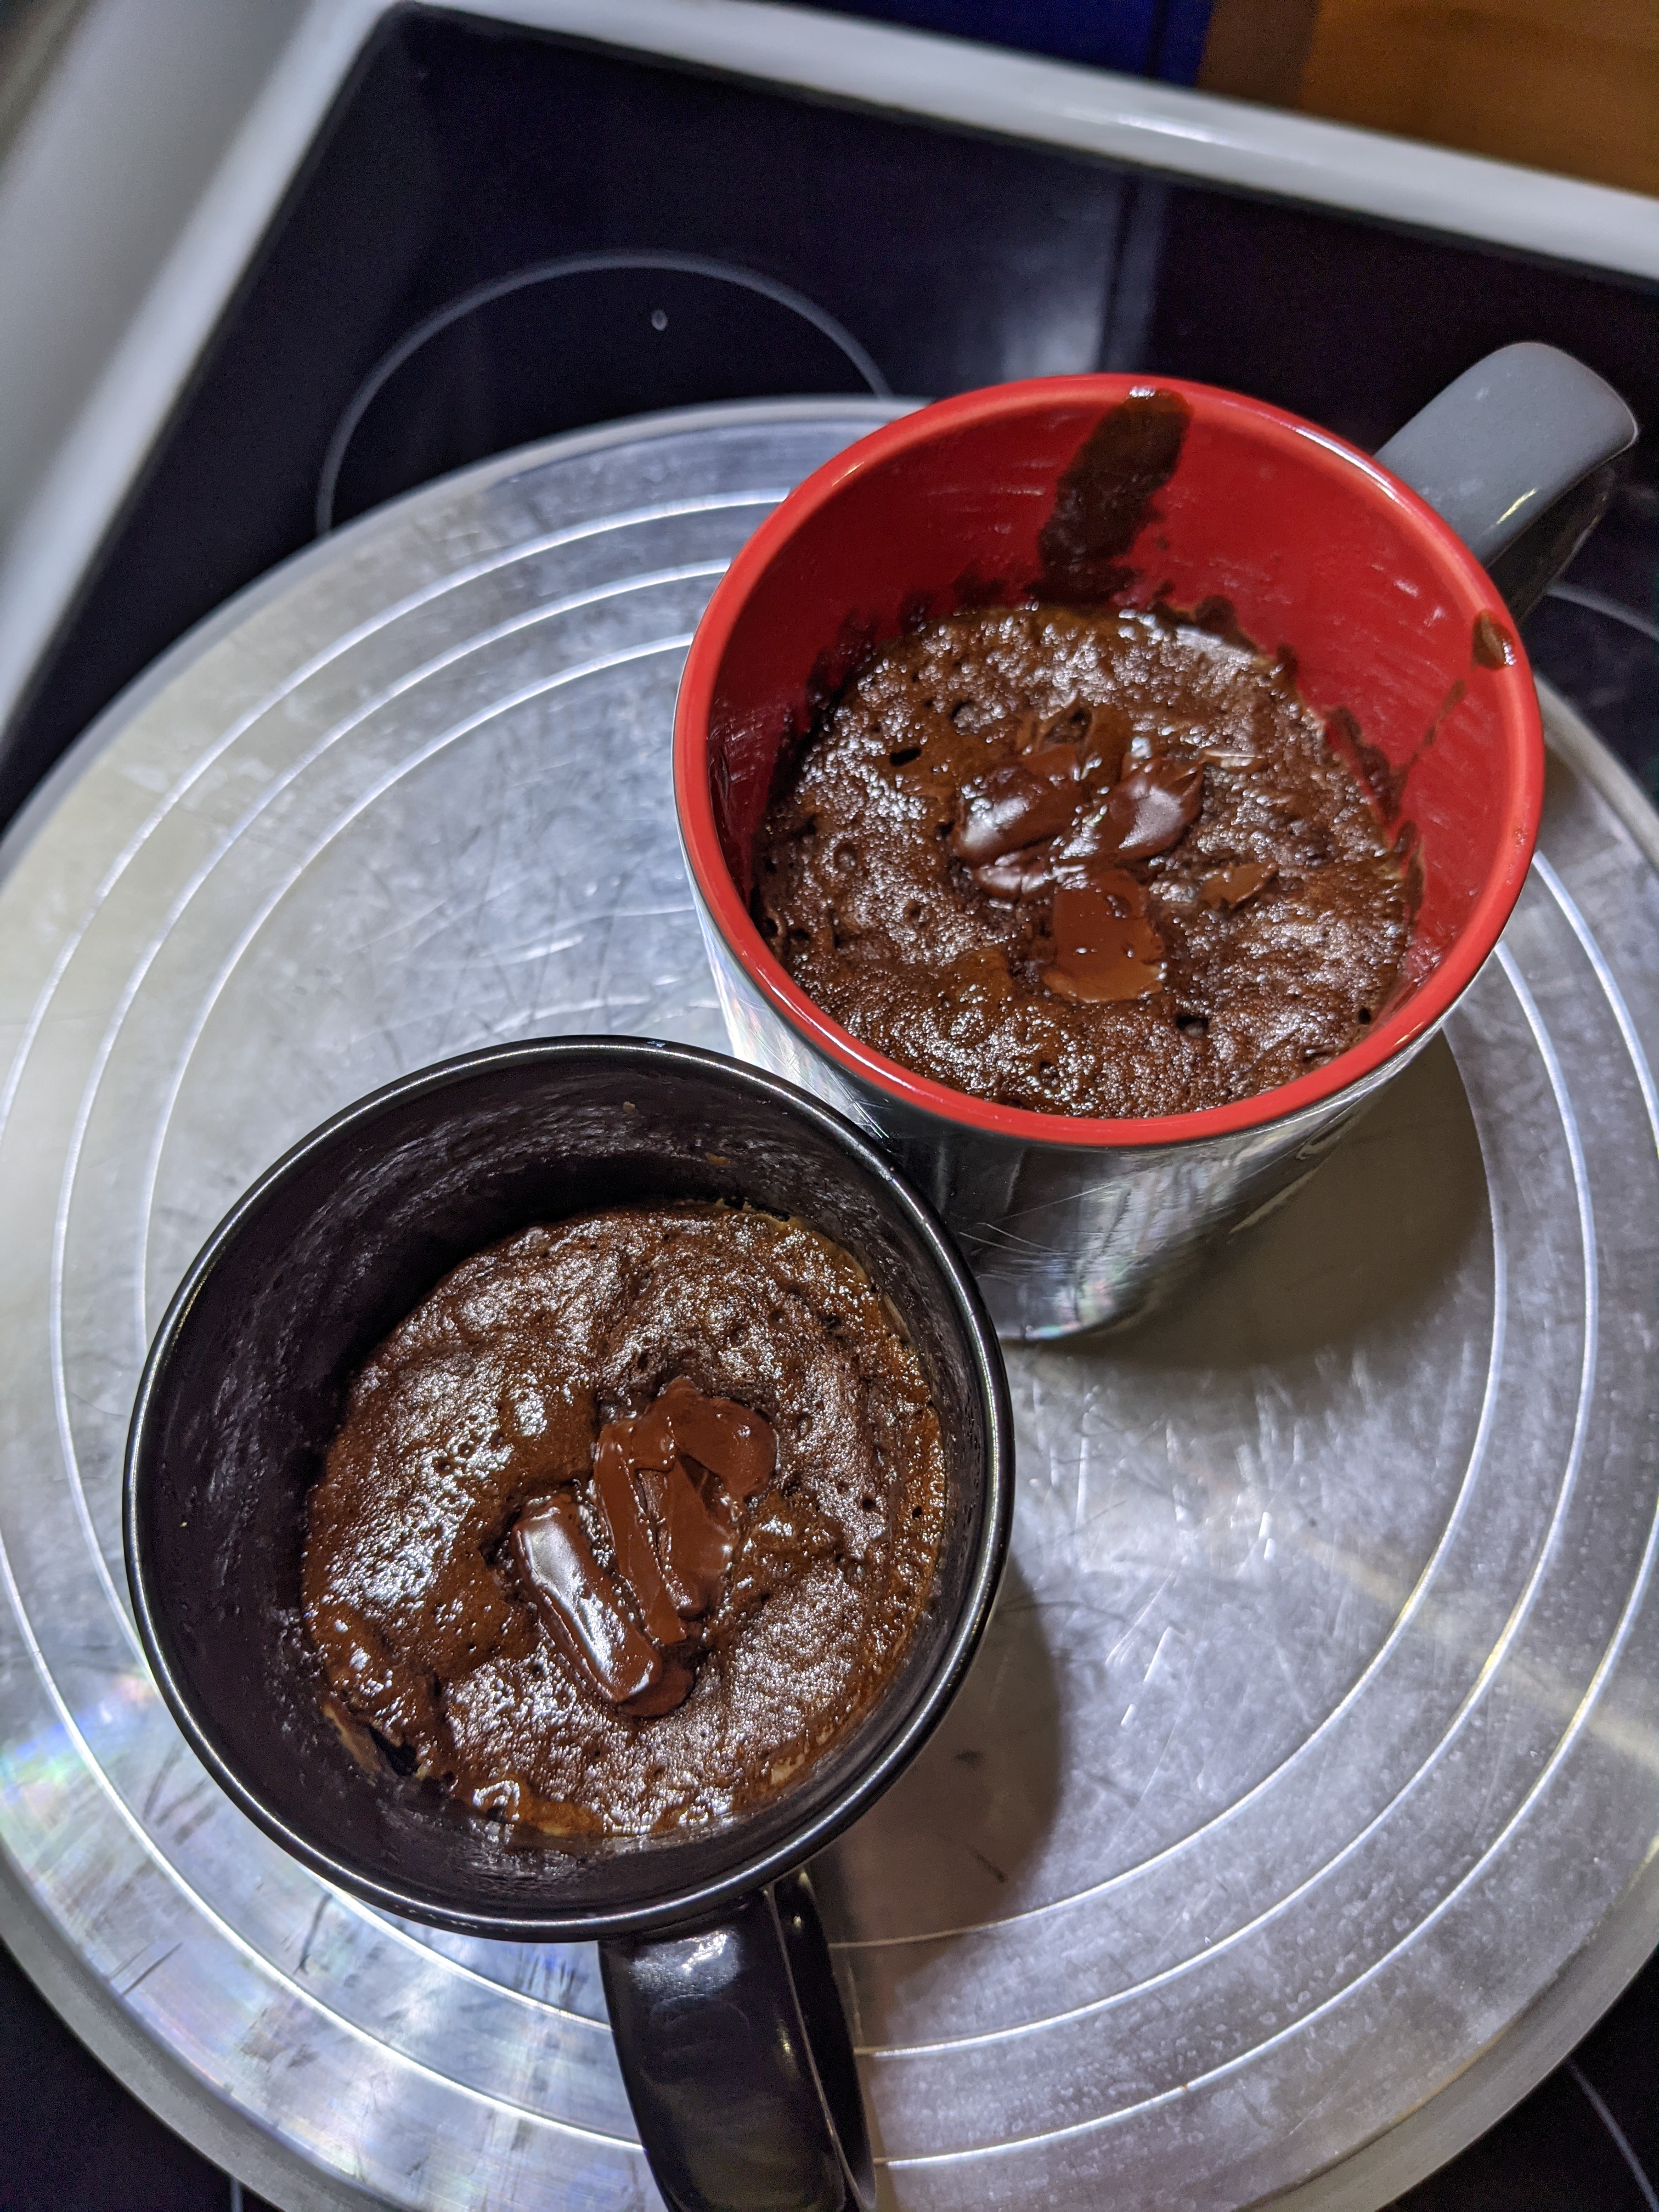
column 1299, row 1800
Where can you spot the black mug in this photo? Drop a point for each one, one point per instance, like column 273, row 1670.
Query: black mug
column 733, row 2043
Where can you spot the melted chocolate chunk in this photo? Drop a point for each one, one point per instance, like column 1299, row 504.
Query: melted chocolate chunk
column 628, row 1521
column 694, row 1542
column 1230, row 887
column 1028, row 874
column 738, row 1445
column 616, row 1486
column 1124, row 871
column 1126, row 893
column 1105, row 952
column 1149, row 810
column 1017, row 804
column 579, row 1602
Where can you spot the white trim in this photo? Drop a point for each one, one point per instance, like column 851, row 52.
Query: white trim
column 69, row 506
column 1123, row 118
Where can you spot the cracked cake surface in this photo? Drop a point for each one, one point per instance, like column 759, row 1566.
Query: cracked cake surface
column 629, row 1520
column 1093, row 863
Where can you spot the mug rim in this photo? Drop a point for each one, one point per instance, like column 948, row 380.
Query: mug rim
column 1395, row 1036
column 890, row 1753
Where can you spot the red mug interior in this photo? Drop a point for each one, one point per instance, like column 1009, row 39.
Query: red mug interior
column 1399, row 640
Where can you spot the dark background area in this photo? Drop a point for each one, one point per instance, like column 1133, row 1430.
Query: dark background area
column 850, row 250
column 1149, row 38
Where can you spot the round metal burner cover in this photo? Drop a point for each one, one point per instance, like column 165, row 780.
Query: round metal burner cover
column 1300, row 1809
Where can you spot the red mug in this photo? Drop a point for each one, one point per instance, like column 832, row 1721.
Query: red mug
column 1402, row 641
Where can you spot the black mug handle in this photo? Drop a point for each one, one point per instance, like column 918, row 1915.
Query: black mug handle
column 738, row 2060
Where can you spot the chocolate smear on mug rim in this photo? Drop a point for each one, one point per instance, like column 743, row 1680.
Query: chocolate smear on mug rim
column 1105, row 497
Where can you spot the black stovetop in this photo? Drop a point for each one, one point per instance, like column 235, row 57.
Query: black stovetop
column 461, row 156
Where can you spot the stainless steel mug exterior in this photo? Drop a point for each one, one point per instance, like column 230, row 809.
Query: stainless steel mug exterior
column 1060, row 1238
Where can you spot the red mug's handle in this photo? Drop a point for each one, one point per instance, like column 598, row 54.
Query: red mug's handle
column 1517, row 454
column 738, row 2061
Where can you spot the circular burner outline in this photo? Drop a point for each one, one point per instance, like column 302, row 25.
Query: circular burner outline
column 550, row 273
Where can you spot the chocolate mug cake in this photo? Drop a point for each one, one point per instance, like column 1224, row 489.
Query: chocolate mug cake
column 629, row 1520
column 1089, row 862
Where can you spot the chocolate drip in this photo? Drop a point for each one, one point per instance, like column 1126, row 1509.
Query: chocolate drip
column 1491, row 646
column 1105, row 497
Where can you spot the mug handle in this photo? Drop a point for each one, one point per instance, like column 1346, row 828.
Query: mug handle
column 1517, row 454
column 738, row 2061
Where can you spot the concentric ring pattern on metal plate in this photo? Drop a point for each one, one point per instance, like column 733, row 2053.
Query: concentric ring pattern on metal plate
column 1315, row 1738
